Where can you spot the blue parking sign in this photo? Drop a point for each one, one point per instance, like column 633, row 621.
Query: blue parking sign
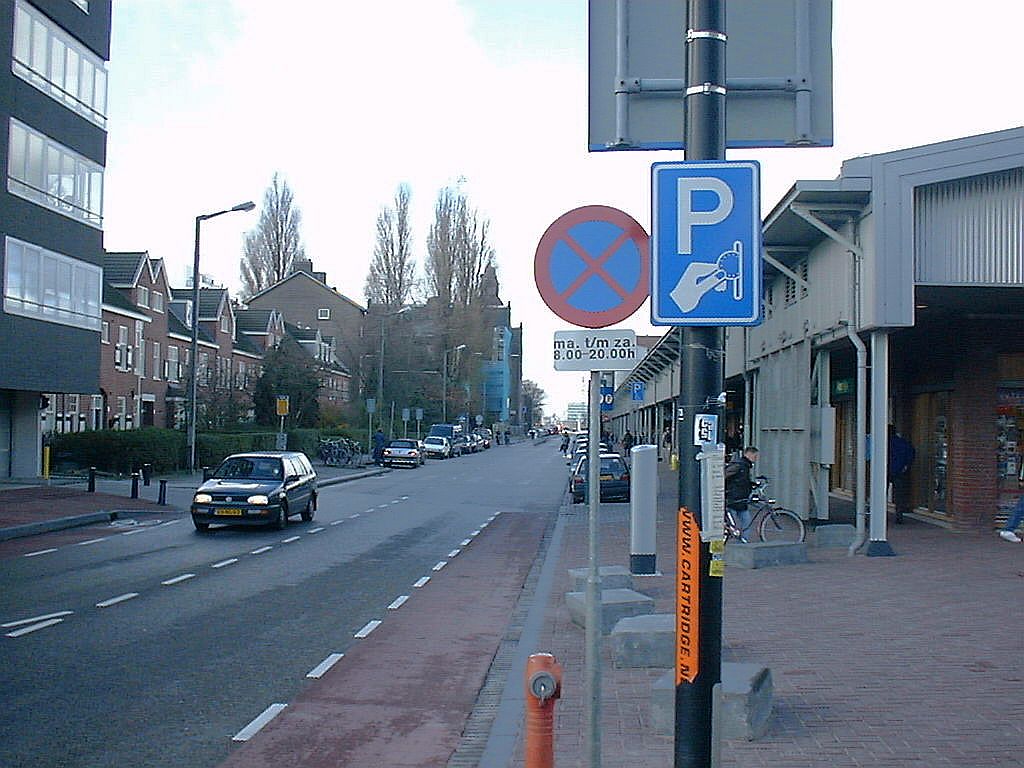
column 639, row 391
column 706, row 243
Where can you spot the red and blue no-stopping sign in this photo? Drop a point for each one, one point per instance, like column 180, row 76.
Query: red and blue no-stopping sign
column 593, row 266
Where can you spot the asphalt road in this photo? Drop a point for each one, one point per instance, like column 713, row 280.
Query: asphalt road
column 169, row 642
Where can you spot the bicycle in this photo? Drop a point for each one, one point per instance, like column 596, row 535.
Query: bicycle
column 774, row 523
column 334, row 453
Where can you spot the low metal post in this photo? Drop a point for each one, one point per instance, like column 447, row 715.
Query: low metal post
column 643, row 510
column 92, row 479
column 162, row 499
column 135, row 485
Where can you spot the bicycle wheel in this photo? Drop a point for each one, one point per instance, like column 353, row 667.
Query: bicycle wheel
column 781, row 526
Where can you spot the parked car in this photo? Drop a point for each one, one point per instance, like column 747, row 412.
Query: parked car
column 614, row 479
column 439, row 447
column 455, row 436
column 475, row 442
column 402, row 451
column 263, row 488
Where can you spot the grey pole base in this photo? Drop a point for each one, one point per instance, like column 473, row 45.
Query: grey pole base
column 880, row 549
column 643, row 565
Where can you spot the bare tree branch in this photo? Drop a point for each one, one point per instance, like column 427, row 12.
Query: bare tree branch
column 392, row 274
column 272, row 248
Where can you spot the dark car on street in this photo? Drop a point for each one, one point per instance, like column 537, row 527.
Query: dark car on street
column 264, row 488
column 614, row 479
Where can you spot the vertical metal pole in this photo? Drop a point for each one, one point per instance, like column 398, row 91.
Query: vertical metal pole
column 701, row 381
column 193, row 374
column 380, row 368
column 444, row 388
column 593, row 596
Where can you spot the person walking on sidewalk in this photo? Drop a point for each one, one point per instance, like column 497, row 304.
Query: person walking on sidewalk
column 739, row 484
column 901, row 456
column 378, row 447
column 627, row 442
column 1009, row 531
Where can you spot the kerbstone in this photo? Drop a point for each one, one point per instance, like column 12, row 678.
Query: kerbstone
column 616, row 604
column 746, row 701
column 644, row 641
column 834, row 535
column 764, row 554
column 612, row 577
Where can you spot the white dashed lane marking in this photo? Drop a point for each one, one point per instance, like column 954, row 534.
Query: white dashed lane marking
column 223, row 563
column 315, row 530
column 34, row 628
column 398, row 603
column 40, row 552
column 465, row 542
column 90, row 541
column 118, row 599
column 422, row 582
column 290, row 539
column 337, row 522
column 366, row 630
column 261, row 550
column 35, row 619
column 321, row 669
column 178, row 579
column 440, row 565
column 254, row 727
column 454, row 553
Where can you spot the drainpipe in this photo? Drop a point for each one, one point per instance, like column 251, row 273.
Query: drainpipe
column 862, row 408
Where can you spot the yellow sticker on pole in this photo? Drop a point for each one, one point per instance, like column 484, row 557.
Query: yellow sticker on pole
column 282, row 405
column 687, row 597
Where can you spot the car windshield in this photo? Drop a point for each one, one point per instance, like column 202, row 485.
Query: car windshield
column 250, row 468
column 402, row 444
column 610, row 465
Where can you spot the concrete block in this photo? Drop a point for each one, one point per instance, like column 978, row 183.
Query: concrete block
column 645, row 641
column 834, row 535
column 763, row 555
column 612, row 577
column 746, row 701
column 616, row 604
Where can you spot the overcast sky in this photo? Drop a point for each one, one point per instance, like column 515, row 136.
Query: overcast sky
column 208, row 98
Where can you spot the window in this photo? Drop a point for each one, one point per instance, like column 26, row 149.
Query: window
column 225, row 324
column 203, row 369
column 49, row 174
column 156, row 360
column 58, row 65
column 49, row 286
column 158, row 301
column 241, row 375
column 105, row 332
column 144, row 297
column 140, row 350
column 173, row 366
column 122, row 408
column 323, row 313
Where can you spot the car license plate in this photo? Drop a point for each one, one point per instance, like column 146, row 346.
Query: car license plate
column 228, row 512
column 606, row 477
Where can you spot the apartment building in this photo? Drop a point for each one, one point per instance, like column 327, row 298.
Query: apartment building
column 53, row 115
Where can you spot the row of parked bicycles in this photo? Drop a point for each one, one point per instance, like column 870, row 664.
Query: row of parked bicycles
column 340, row 452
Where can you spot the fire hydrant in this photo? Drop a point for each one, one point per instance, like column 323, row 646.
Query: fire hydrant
column 543, row 687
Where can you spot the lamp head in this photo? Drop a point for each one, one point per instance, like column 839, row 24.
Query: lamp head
column 246, row 206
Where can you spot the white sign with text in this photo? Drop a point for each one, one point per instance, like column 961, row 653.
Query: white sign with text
column 595, row 350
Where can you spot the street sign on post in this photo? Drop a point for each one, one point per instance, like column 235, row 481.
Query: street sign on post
column 371, row 405
column 604, row 350
column 607, row 398
column 592, row 266
column 706, row 243
column 282, row 405
column 639, row 390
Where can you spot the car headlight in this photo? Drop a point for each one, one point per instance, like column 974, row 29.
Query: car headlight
column 258, row 499
column 413, row 454
column 203, row 498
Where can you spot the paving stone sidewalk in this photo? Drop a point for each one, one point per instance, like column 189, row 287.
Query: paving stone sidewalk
column 914, row 660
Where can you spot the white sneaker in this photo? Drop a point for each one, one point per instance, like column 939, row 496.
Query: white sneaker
column 1010, row 536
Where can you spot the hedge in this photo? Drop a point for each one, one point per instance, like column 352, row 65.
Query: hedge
column 212, row 448
column 120, row 451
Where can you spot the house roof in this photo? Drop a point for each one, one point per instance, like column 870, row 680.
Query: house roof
column 123, row 268
column 253, row 320
column 210, row 300
column 302, row 334
column 308, row 277
column 244, row 344
column 116, row 300
column 177, row 323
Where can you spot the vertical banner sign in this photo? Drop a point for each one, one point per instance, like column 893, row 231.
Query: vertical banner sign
column 688, row 598
column 712, row 496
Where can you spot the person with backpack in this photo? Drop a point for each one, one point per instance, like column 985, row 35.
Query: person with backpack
column 739, row 484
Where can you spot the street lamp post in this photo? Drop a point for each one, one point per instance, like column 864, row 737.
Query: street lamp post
column 192, row 377
column 380, row 360
column 444, row 383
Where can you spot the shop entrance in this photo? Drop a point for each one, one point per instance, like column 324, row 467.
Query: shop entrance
column 1009, row 450
column 930, row 436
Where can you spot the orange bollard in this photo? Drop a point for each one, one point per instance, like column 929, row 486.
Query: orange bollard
column 543, row 686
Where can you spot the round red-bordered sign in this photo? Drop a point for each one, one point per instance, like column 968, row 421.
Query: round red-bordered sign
column 593, row 266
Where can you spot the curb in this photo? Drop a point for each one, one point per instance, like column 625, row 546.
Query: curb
column 76, row 521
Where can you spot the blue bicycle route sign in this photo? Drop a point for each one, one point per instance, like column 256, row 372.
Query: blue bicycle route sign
column 705, row 243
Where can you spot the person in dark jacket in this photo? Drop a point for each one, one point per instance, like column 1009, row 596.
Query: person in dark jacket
column 901, row 456
column 739, row 484
column 378, row 447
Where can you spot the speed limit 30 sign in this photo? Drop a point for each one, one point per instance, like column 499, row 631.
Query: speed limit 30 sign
column 604, row 350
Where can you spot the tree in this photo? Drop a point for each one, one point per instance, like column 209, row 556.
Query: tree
column 393, row 270
column 271, row 249
column 533, row 398
column 459, row 250
column 288, row 370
